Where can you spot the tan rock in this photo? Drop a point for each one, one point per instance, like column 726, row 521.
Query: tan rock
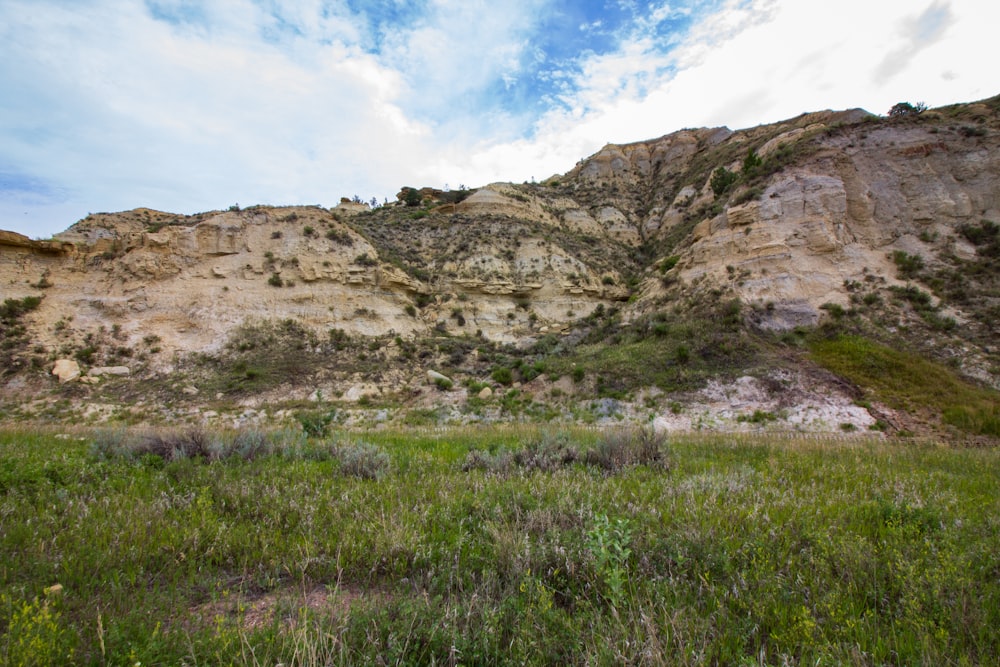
column 485, row 394
column 66, row 370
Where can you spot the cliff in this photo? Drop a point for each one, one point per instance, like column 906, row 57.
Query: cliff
column 888, row 220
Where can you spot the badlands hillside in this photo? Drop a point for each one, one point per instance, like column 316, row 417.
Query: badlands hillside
column 838, row 271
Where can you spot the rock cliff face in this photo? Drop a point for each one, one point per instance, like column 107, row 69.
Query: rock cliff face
column 789, row 218
column 839, row 215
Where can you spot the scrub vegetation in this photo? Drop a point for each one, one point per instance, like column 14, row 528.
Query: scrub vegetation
column 508, row 545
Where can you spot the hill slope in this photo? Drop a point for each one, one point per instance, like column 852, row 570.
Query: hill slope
column 687, row 280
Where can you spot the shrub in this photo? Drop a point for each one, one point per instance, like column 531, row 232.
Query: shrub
column 901, row 109
column 758, row 417
column 275, row 280
column 502, row 375
column 108, row 444
column 908, row 265
column 548, row 453
column 340, row 237
column 751, row 163
column 835, row 309
column 412, row 197
column 682, row 355
column 172, row 445
column 669, row 263
column 315, row 423
column 247, row 445
column 722, row 180
column 985, row 235
column 629, row 447
column 499, row 463
column 14, row 308
column 363, row 460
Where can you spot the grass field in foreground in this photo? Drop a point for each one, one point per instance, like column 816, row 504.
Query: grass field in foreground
column 538, row 548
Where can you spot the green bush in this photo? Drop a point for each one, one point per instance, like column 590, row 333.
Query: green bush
column 412, row 197
column 751, row 164
column 12, row 309
column 339, row 237
column 902, row 109
column 722, row 180
column 907, row 265
column 316, row 423
column 502, row 375
column 669, row 263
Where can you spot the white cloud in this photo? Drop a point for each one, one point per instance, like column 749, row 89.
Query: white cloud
column 108, row 107
column 757, row 62
column 171, row 119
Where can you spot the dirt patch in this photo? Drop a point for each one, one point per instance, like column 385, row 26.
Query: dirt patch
column 283, row 605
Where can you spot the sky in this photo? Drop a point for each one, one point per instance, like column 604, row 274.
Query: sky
column 188, row 106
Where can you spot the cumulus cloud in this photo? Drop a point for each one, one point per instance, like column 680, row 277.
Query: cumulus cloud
column 751, row 62
column 188, row 106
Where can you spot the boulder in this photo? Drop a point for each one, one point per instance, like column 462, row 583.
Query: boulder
column 485, row 393
column 98, row 371
column 435, row 377
column 66, row 370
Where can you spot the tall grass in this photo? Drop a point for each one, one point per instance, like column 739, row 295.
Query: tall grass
column 699, row 550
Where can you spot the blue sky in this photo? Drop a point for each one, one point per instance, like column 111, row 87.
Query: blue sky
column 188, row 106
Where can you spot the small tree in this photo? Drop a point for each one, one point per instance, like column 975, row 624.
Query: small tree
column 412, row 197
column 900, row 109
column 722, row 179
column 751, row 163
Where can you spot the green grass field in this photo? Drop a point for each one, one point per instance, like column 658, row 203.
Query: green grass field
column 537, row 548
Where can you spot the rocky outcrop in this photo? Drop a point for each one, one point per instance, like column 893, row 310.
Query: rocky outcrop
column 15, row 241
column 838, row 216
column 835, row 195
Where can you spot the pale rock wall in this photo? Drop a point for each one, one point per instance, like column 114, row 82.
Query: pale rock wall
column 840, row 214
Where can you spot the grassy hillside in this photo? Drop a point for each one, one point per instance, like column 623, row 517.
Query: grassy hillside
column 506, row 546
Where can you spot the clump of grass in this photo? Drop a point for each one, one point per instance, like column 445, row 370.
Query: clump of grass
column 622, row 448
column 758, row 417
